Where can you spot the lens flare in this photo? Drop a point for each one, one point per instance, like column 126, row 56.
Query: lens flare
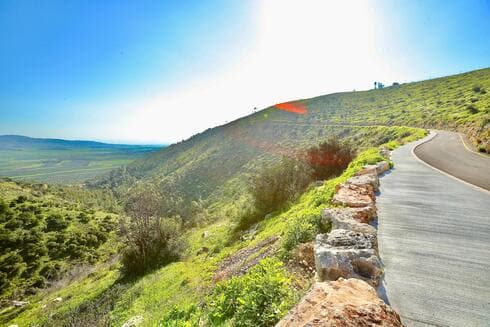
column 294, row 107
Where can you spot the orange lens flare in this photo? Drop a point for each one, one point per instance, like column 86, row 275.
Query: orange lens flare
column 294, row 107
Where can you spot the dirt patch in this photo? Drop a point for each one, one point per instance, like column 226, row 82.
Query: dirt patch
column 240, row 262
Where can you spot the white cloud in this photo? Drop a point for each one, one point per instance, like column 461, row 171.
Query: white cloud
column 301, row 49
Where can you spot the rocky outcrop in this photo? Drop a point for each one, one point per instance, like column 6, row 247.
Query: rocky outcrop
column 347, row 254
column 341, row 303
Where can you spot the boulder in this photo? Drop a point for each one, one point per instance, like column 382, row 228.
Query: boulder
column 368, row 178
column 342, row 303
column 380, row 167
column 347, row 254
column 354, row 196
column 370, row 169
column 385, row 152
column 354, row 219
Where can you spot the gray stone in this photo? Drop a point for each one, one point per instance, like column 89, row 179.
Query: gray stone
column 347, row 218
column 347, row 254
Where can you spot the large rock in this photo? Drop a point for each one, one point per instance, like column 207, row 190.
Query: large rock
column 368, row 178
column 354, row 219
column 342, row 303
column 347, row 254
column 354, row 196
column 380, row 167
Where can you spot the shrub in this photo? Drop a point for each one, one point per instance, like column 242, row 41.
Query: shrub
column 149, row 241
column 274, row 186
column 259, row 298
column 329, row 158
column 55, row 223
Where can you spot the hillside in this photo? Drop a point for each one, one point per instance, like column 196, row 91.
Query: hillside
column 219, row 160
column 45, row 231
column 63, row 161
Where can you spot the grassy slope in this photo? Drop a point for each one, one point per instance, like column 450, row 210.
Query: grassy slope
column 190, row 168
column 237, row 149
column 61, row 161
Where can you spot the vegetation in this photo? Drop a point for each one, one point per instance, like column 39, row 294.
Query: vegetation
column 329, row 158
column 259, row 298
column 149, row 239
column 61, row 161
column 43, row 236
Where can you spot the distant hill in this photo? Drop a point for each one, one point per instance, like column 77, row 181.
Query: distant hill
column 215, row 164
column 63, row 161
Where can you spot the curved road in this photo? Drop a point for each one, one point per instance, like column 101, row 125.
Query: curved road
column 434, row 240
column 447, row 153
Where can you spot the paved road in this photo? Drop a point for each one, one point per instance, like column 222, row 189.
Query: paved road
column 434, row 240
column 447, row 153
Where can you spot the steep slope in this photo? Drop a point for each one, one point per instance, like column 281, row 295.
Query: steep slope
column 217, row 161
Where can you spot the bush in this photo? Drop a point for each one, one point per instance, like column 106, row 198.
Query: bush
column 55, row 223
column 329, row 158
column 274, row 186
column 149, row 241
column 259, row 298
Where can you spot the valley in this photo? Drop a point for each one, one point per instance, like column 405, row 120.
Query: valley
column 61, row 161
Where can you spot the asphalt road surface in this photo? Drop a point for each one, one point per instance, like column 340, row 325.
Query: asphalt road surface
column 447, row 152
column 434, row 239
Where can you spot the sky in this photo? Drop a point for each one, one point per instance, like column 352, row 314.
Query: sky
column 161, row 71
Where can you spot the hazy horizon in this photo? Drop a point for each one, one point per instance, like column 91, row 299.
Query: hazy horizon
column 157, row 73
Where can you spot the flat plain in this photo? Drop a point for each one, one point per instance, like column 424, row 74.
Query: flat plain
column 60, row 161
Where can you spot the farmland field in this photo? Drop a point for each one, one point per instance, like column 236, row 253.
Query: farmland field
column 60, row 161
